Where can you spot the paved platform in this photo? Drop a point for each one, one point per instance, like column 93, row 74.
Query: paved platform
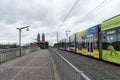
column 34, row 66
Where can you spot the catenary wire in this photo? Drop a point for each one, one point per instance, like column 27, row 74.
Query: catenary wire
column 89, row 13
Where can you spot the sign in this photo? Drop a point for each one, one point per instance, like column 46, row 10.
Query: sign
column 93, row 29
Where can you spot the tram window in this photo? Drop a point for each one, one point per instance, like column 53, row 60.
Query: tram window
column 118, row 44
column 119, row 30
column 79, row 40
column 111, row 38
column 118, row 37
column 84, row 42
column 91, row 47
column 108, row 38
column 118, row 41
column 104, row 37
column 111, row 32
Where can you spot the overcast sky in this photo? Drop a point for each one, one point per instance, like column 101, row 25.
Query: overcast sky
column 46, row 15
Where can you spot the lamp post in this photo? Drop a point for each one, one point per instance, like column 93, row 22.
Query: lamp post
column 20, row 29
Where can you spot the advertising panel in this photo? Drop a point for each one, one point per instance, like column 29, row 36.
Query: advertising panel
column 81, row 33
column 79, row 45
column 111, row 23
column 92, row 30
column 110, row 41
column 92, row 41
column 84, row 51
column 84, row 45
column 79, row 41
column 96, row 53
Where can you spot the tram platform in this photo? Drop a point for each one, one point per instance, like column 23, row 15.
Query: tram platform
column 35, row 66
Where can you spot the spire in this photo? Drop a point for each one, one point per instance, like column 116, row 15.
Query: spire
column 38, row 37
column 43, row 37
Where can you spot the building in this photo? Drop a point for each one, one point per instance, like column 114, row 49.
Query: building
column 42, row 43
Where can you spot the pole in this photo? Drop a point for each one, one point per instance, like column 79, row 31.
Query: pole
column 57, row 37
column 57, row 40
column 20, row 42
column 20, row 29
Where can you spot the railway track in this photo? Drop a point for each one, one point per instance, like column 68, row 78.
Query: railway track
column 96, row 69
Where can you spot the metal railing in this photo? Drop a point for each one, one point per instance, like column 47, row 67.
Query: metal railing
column 66, row 69
column 9, row 54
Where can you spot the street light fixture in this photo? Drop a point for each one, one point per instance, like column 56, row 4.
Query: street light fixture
column 20, row 29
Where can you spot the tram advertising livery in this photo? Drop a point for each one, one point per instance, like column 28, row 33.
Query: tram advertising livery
column 92, row 41
column 67, row 44
column 72, row 43
column 101, row 41
column 81, row 43
column 111, row 40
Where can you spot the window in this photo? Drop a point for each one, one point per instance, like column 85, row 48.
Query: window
column 118, row 37
column 111, row 38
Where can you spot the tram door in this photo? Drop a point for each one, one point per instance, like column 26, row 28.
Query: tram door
column 90, row 44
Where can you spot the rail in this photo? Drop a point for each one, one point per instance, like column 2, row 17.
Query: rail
column 11, row 53
column 66, row 69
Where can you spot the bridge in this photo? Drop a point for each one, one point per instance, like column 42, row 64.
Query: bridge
column 49, row 64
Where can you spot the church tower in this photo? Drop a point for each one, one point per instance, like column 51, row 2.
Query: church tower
column 42, row 43
column 38, row 37
column 43, row 37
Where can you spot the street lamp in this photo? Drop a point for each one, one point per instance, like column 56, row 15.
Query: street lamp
column 20, row 29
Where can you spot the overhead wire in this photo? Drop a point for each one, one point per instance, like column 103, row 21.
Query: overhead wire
column 93, row 11
column 89, row 13
column 96, row 8
column 74, row 5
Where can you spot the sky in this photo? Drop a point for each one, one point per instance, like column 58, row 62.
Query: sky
column 47, row 16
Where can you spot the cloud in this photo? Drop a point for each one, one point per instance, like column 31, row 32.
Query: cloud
column 46, row 15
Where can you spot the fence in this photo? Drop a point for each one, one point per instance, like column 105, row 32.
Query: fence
column 66, row 69
column 8, row 54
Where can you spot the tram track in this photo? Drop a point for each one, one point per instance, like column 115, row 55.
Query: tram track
column 97, row 69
